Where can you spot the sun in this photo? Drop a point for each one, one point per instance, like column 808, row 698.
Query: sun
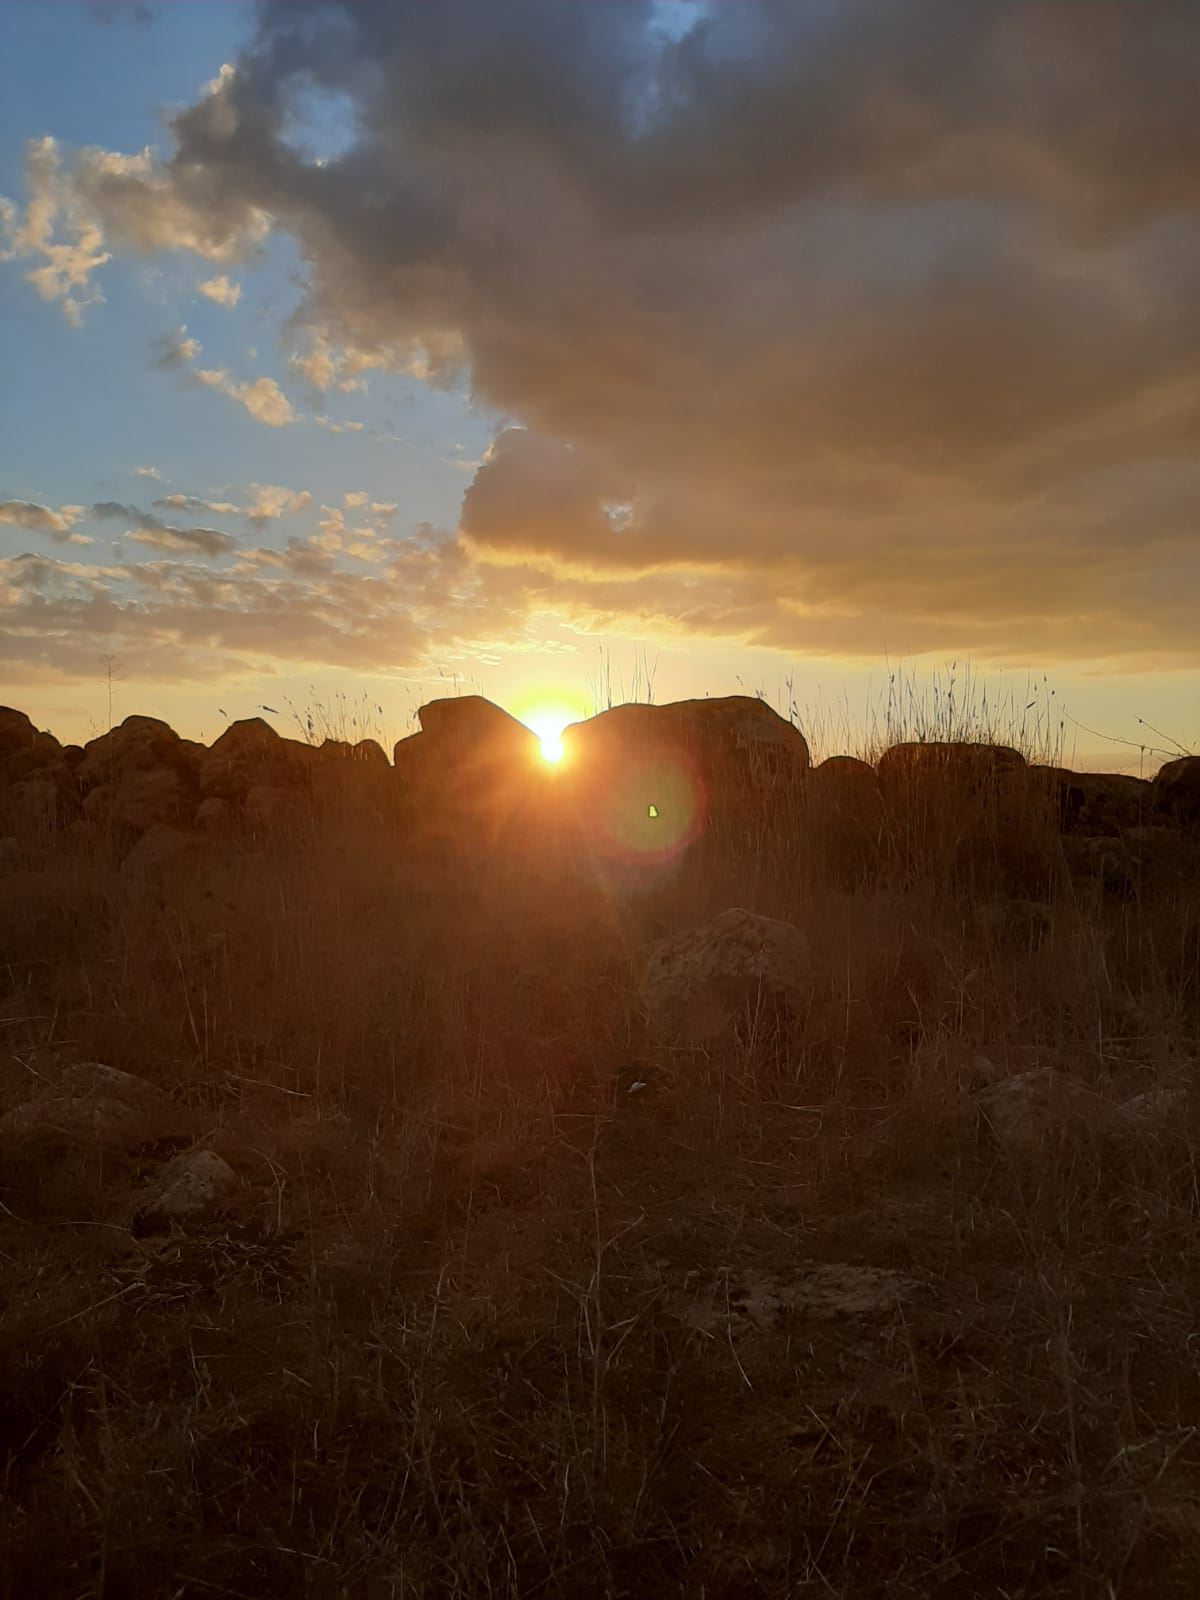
column 547, row 722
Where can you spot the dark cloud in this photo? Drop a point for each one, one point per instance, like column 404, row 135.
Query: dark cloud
column 830, row 326
column 144, row 528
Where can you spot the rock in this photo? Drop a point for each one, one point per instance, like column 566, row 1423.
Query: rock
column 98, row 1103
column 1023, row 1111
column 194, row 1187
column 470, row 727
column 1096, row 802
column 160, row 847
column 268, row 807
column 756, row 1301
column 10, row 855
column 140, row 798
column 212, row 815
column 646, row 782
column 139, row 744
column 34, row 805
column 1162, row 1107
column 948, row 767
column 696, row 984
column 1177, row 788
column 16, row 731
column 250, row 753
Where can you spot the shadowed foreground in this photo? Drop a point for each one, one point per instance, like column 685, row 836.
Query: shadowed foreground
column 480, row 1217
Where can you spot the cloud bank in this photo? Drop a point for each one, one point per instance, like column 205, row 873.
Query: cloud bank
column 823, row 327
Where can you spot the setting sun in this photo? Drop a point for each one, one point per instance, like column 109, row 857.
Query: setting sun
column 546, row 716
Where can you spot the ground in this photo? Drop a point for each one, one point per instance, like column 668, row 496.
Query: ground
column 516, row 1298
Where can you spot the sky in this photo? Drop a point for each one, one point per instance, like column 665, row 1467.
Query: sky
column 355, row 353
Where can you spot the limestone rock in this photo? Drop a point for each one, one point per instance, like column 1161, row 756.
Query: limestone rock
column 192, row 1188
column 695, row 984
column 1023, row 1111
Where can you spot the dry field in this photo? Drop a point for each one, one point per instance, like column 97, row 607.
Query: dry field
column 516, row 1298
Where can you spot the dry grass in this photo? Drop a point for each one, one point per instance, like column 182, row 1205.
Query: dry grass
column 488, row 1323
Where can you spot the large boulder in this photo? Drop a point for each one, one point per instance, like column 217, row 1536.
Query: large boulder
column 945, row 767
column 142, row 798
column 470, row 771
column 139, row 744
column 1096, row 802
column 698, row 984
column 250, row 753
column 1177, row 789
column 16, row 731
column 647, row 781
column 24, row 750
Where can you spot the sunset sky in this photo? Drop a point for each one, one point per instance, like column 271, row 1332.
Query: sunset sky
column 364, row 349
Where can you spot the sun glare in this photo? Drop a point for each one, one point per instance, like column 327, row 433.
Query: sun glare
column 547, row 723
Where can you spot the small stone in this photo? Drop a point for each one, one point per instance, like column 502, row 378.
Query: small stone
column 193, row 1187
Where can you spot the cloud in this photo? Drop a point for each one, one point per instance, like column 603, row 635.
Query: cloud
column 263, row 399
column 176, row 349
column 193, row 503
column 356, row 497
column 269, row 501
column 148, row 472
column 222, row 291
column 203, row 541
column 145, row 528
column 174, row 620
column 57, row 525
column 822, row 327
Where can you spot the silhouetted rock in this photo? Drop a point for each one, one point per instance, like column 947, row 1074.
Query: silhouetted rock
column 10, row 855
column 942, row 765
column 142, row 798
column 268, row 807
column 696, row 984
column 646, row 782
column 1096, row 802
column 250, row 753
column 1177, row 787
column 138, row 744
